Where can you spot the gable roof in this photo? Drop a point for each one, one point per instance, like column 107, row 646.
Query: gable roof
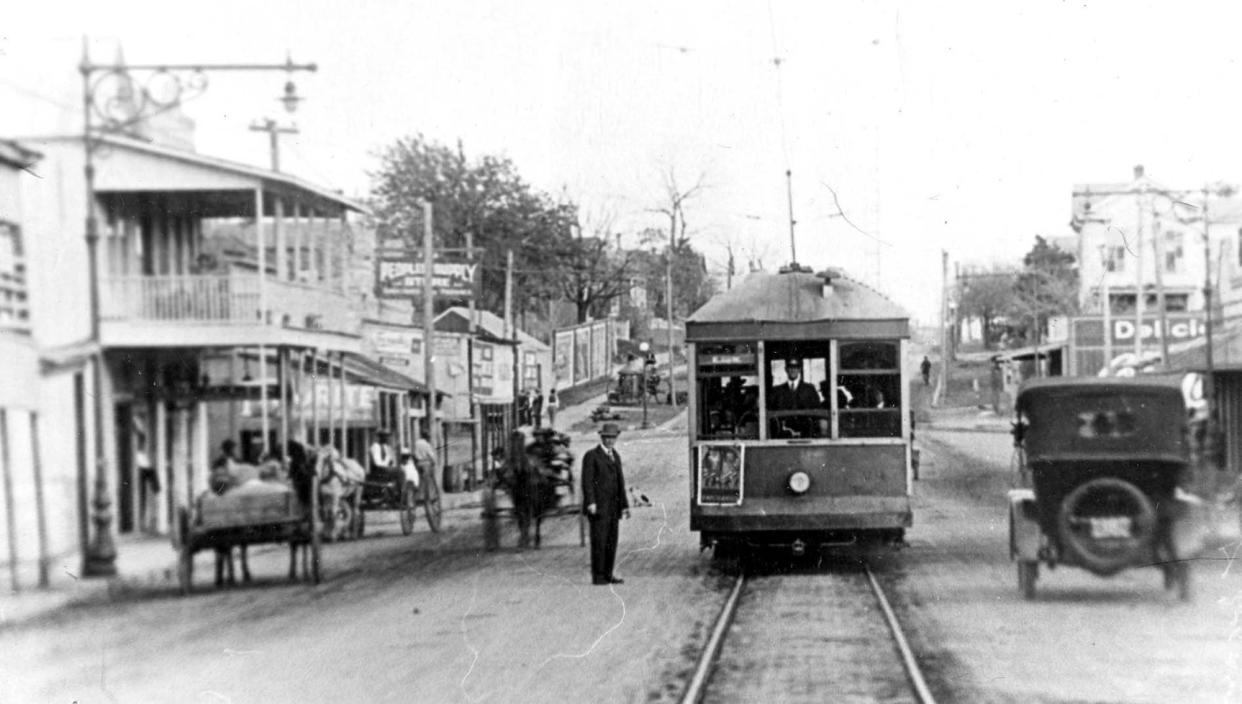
column 489, row 323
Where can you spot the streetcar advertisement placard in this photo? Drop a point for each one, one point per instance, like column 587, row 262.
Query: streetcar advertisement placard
column 721, row 469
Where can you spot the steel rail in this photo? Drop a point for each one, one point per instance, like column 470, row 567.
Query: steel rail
column 907, row 655
column 694, row 691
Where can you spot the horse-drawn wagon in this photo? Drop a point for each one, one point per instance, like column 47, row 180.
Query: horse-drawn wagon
column 536, row 476
column 256, row 512
column 401, row 493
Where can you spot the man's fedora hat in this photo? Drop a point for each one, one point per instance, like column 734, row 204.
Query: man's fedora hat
column 609, row 430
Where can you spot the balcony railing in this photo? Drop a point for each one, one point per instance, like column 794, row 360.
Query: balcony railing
column 225, row 299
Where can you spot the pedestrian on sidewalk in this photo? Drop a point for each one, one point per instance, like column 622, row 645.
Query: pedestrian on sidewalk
column 604, row 502
column 553, row 405
column 925, row 368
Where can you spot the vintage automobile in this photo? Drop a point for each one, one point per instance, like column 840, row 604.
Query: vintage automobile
column 1101, row 462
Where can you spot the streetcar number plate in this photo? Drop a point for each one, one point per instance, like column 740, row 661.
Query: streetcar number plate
column 1110, row 527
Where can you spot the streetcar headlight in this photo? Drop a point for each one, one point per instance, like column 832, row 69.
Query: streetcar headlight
column 799, row 482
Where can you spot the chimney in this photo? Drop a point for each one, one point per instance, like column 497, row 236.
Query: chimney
column 1138, row 172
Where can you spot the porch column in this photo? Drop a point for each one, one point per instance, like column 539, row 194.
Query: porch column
column 282, row 358
column 45, row 559
column 344, row 410
column 300, row 380
column 180, row 440
column 162, row 470
column 232, row 394
column 200, row 458
column 331, row 402
column 261, row 242
column 314, row 391
column 263, row 414
column 10, row 506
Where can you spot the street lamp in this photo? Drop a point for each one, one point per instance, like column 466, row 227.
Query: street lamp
column 644, row 348
column 111, row 95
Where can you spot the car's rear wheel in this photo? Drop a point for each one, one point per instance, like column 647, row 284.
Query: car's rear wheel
column 1107, row 524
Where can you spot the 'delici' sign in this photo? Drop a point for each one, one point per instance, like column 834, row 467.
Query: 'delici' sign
column 1177, row 327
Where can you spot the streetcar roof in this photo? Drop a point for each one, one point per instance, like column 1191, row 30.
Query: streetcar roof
column 799, row 305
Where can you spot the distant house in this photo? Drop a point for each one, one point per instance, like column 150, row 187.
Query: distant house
column 535, row 357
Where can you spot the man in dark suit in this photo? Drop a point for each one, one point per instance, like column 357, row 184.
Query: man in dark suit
column 604, row 502
column 795, row 395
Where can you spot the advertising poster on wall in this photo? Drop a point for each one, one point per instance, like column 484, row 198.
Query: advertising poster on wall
column 483, row 357
column 721, row 469
column 582, row 354
column 563, row 358
column 599, row 349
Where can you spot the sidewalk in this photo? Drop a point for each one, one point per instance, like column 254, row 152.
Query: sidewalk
column 143, row 562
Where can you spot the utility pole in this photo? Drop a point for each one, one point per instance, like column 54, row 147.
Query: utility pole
column 429, row 327
column 1140, row 299
column 793, row 247
column 942, row 385
column 1108, row 310
column 668, row 295
column 511, row 331
column 273, row 131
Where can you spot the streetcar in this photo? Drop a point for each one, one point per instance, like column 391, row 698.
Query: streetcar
column 799, row 430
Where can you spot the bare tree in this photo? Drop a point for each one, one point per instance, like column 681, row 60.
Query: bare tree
column 675, row 197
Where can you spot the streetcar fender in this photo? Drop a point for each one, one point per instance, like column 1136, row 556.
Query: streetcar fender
column 1024, row 535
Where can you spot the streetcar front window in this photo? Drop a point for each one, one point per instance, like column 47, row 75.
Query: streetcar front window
column 798, row 390
column 727, row 391
column 869, row 387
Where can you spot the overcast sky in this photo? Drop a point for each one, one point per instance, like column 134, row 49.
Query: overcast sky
column 954, row 126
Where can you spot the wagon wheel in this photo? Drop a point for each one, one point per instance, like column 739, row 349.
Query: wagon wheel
column 344, row 517
column 409, row 504
column 185, row 556
column 355, row 527
column 431, row 504
column 1028, row 572
column 491, row 522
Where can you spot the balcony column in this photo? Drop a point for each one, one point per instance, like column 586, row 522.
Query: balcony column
column 278, row 233
column 263, row 317
column 342, row 248
column 299, row 241
column 300, row 381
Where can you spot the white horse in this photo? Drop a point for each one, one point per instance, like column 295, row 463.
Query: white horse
column 340, row 481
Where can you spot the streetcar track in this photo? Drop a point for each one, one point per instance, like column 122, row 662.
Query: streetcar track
column 710, row 656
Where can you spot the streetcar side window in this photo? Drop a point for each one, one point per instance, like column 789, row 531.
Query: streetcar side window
column 727, row 391
column 869, row 389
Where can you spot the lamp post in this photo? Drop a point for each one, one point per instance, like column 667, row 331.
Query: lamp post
column 110, row 93
column 644, row 348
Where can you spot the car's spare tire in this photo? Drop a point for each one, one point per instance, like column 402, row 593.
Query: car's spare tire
column 1107, row 524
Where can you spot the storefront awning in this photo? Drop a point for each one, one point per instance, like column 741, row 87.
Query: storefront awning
column 364, row 370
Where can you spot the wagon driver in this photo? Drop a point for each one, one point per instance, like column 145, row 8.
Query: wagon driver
column 382, row 461
column 604, row 502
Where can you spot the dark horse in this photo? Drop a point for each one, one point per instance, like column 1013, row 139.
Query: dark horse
column 533, row 477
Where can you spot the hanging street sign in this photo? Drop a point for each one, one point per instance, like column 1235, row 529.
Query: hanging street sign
column 455, row 274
